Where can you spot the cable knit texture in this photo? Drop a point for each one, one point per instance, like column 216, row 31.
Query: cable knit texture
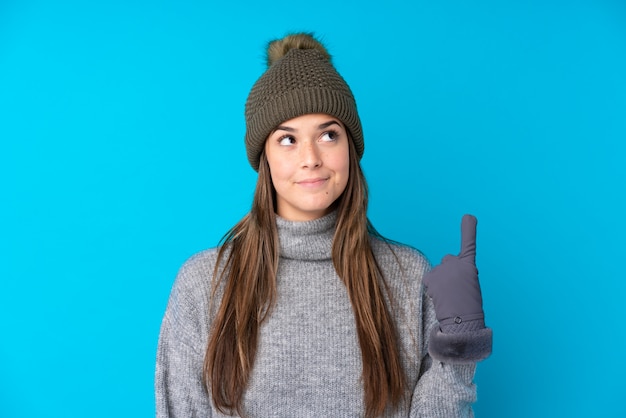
column 308, row 361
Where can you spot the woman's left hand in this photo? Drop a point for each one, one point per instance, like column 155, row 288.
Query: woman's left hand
column 453, row 285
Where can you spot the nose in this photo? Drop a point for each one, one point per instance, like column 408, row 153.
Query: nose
column 310, row 155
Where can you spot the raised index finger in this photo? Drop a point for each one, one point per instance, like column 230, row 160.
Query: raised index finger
column 468, row 238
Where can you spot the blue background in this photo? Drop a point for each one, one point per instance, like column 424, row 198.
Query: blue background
column 121, row 154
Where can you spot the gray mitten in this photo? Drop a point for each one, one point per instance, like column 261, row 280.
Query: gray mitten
column 454, row 288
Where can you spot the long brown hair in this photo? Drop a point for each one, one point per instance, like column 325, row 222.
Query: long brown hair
column 251, row 252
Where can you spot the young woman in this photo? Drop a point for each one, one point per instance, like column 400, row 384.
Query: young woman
column 304, row 310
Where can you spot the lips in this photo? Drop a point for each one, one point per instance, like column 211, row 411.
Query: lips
column 312, row 182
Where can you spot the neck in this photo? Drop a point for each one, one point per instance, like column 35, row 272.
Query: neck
column 307, row 240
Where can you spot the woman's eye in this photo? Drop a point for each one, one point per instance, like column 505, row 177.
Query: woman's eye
column 329, row 136
column 286, row 140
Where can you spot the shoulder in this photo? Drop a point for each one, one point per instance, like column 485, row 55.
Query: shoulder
column 199, row 264
column 190, row 297
column 391, row 254
column 185, row 320
column 194, row 278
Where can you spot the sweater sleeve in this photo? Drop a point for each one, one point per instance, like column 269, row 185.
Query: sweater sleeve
column 443, row 389
column 179, row 390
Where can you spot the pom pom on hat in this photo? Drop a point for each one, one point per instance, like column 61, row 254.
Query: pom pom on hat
column 278, row 48
column 300, row 80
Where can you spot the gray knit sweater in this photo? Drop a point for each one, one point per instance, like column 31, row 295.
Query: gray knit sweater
column 308, row 362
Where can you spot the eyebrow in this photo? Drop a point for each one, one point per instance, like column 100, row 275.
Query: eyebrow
column 320, row 127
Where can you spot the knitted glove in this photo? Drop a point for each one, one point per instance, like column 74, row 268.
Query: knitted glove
column 454, row 288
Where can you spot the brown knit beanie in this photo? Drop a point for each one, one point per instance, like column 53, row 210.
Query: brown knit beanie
column 300, row 79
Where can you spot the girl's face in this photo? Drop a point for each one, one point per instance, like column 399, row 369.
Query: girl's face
column 308, row 158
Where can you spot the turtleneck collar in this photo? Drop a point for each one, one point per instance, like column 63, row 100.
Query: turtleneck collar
column 308, row 240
